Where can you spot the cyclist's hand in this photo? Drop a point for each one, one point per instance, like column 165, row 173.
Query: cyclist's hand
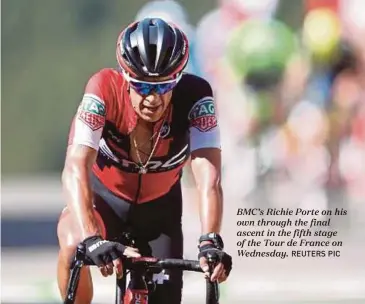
column 223, row 262
column 107, row 255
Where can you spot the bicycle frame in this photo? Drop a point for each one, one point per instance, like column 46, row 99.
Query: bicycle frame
column 120, row 288
column 145, row 263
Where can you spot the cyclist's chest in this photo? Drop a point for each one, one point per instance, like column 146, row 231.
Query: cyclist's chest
column 166, row 149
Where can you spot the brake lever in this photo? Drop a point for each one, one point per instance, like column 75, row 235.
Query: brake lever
column 212, row 261
column 76, row 266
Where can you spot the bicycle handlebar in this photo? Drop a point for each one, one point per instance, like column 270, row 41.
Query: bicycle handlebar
column 188, row 265
column 143, row 263
column 156, row 264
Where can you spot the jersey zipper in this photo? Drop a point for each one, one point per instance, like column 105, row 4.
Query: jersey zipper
column 138, row 188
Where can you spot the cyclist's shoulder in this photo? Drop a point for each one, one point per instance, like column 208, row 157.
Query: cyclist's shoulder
column 194, row 82
column 106, row 76
column 105, row 84
column 191, row 89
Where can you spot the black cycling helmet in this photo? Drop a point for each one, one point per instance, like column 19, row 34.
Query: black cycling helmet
column 152, row 47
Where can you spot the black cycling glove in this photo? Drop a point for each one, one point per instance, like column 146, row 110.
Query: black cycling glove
column 102, row 252
column 215, row 251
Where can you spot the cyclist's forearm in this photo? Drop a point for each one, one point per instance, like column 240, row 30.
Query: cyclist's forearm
column 76, row 184
column 211, row 208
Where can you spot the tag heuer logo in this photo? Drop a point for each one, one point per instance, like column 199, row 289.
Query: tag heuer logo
column 92, row 111
column 202, row 115
column 93, row 104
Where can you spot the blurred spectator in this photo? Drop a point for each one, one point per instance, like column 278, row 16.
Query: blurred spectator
column 316, row 4
column 331, row 32
column 221, row 21
column 260, row 53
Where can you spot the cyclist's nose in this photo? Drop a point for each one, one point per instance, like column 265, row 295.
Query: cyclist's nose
column 152, row 98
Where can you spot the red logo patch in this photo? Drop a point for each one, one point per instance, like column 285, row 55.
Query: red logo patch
column 94, row 121
column 205, row 123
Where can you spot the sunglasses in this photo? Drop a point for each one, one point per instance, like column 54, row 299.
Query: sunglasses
column 145, row 87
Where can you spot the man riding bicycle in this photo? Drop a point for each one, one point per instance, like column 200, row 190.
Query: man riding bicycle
column 134, row 130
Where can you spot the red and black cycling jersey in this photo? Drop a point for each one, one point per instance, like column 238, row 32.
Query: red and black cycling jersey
column 106, row 118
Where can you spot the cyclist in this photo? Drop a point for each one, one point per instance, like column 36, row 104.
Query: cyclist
column 134, row 130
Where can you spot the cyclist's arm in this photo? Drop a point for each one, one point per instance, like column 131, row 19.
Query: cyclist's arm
column 206, row 161
column 77, row 188
column 82, row 151
column 206, row 164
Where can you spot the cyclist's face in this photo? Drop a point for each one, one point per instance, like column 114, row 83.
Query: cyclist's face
column 150, row 107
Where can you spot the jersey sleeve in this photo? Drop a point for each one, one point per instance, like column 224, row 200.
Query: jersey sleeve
column 203, row 123
column 89, row 120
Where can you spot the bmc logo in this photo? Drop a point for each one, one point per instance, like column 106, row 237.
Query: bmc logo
column 157, row 165
column 153, row 166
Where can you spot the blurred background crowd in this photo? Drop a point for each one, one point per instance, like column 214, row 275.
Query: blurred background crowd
column 290, row 98
column 289, row 84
